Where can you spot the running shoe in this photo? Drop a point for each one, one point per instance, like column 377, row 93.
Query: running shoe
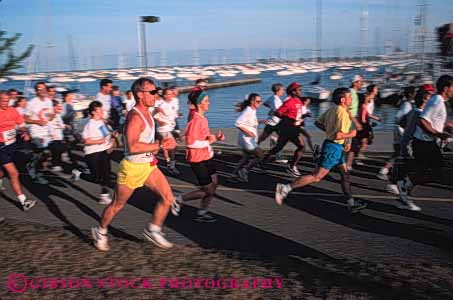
column 243, row 175
column 176, row 205
column 75, row 175
column 408, row 205
column 382, row 177
column 157, row 238
column 104, row 199
column 2, row 219
column 294, row 171
column 281, row 191
column 355, row 206
column 281, row 161
column 359, row 162
column 206, row 218
column 56, row 169
column 2, row 185
column 28, row 204
column 101, row 241
column 31, row 170
column 392, row 189
column 361, row 156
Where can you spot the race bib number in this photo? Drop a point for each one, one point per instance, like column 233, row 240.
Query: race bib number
column 9, row 136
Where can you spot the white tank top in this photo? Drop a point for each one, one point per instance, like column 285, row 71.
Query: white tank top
column 146, row 136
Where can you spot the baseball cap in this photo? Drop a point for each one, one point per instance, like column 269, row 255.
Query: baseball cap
column 428, row 88
column 293, row 86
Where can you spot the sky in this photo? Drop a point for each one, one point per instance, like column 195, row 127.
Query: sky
column 100, row 28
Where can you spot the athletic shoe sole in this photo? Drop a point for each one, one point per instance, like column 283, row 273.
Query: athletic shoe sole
column 149, row 238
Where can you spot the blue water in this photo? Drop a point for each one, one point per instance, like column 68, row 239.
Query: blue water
column 222, row 113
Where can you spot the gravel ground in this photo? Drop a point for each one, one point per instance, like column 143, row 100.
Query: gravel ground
column 38, row 251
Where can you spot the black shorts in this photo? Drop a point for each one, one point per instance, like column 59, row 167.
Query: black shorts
column 203, row 171
column 269, row 129
column 427, row 154
column 7, row 154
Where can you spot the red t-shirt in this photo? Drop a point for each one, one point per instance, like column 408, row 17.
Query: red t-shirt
column 291, row 108
column 9, row 120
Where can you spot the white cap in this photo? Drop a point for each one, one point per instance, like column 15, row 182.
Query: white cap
column 356, row 78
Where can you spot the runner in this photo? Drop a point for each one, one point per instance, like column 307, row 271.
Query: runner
column 273, row 103
column 166, row 119
column 306, row 113
column 200, row 84
column 247, row 123
column 365, row 136
column 9, row 120
column 57, row 146
column 38, row 112
column 431, row 127
column 104, row 97
column 398, row 132
column 175, row 101
column 138, row 168
column 290, row 113
column 336, row 122
column 200, row 155
column 356, row 84
column 20, row 105
column 98, row 140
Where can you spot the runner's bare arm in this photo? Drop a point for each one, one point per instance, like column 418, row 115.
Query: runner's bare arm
column 341, row 135
column 28, row 120
column 426, row 125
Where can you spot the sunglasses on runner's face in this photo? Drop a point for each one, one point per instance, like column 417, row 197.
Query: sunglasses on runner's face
column 152, row 92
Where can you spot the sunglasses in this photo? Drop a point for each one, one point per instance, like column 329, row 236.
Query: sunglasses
column 152, row 92
column 258, row 101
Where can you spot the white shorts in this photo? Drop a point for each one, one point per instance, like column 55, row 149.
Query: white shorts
column 248, row 143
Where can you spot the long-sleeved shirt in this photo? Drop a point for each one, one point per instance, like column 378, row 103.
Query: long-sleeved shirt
column 198, row 147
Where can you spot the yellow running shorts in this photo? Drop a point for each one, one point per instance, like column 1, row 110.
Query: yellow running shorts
column 134, row 175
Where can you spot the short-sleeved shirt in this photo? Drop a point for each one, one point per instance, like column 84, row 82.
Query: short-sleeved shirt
column 249, row 121
column 335, row 120
column 435, row 112
column 273, row 102
column 169, row 116
column 106, row 101
column 354, row 108
column 96, row 129
column 38, row 109
column 9, row 120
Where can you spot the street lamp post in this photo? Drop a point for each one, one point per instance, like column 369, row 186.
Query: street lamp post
column 142, row 40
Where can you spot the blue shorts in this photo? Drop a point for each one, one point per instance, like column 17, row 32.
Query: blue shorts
column 7, row 154
column 331, row 155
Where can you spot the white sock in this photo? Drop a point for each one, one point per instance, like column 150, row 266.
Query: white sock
column 22, row 198
column 351, row 201
column 153, row 227
column 102, row 230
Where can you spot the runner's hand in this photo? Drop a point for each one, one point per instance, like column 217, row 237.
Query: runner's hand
column 25, row 137
column 347, row 147
column 220, row 136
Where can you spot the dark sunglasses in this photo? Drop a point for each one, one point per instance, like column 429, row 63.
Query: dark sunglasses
column 152, row 92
